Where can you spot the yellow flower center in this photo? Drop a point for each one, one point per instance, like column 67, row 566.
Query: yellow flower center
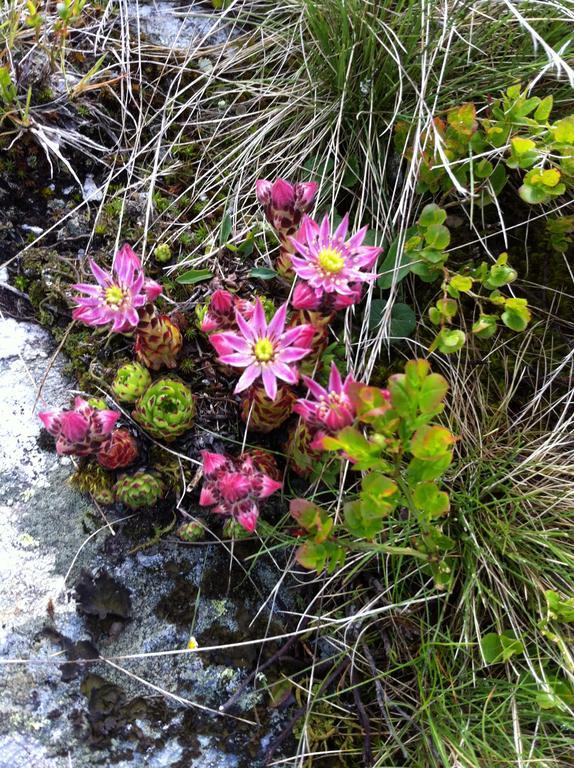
column 263, row 350
column 114, row 295
column 331, row 260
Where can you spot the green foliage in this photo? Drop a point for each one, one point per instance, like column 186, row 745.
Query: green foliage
column 403, row 455
column 8, row 92
column 516, row 135
column 497, row 648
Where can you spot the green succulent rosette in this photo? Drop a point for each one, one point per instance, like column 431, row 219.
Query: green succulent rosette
column 142, row 489
column 131, row 382
column 167, row 409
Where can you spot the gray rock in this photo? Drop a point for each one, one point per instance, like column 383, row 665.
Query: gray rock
column 130, row 712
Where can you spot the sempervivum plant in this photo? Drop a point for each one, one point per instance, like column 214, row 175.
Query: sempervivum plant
column 167, row 409
column 142, row 489
column 119, row 450
column 118, row 296
column 131, row 382
column 81, row 430
column 331, row 268
column 234, row 486
column 264, row 349
column 158, row 340
column 331, row 408
column 302, row 457
column 219, row 313
column 264, row 462
column 265, row 415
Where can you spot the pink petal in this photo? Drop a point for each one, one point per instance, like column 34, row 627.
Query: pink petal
column 282, row 195
column 237, row 359
column 259, row 321
column 225, row 343
column 269, row 382
column 316, row 389
column 103, row 278
column 325, row 229
column 335, row 381
column 105, row 421
column 305, row 194
column 356, row 240
column 305, row 297
column 268, row 486
column 248, row 329
column 248, row 518
column 222, row 302
column 125, row 264
column 247, row 378
column 277, row 324
column 74, row 426
column 300, row 335
column 151, row 289
column 341, row 231
column 51, row 420
column 212, row 462
column 263, row 191
column 306, row 409
column 283, row 372
column 206, row 497
column 292, row 355
column 91, row 290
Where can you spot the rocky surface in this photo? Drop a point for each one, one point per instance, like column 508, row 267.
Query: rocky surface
column 178, row 26
column 70, row 589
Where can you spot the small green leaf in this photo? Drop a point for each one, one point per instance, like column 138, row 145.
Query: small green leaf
column 449, row 341
column 564, row 130
column 431, row 214
column 430, row 500
column 437, row 236
column 485, row 326
column 461, row 283
column 193, row 276
column 544, row 109
column 432, row 393
column 497, row 648
column 395, row 261
column 263, row 273
column 431, row 442
column 516, row 315
column 225, row 230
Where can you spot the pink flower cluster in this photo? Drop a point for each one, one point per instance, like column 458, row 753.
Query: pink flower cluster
column 284, row 204
column 264, row 349
column 117, row 295
column 331, row 409
column 220, row 315
column 330, row 268
column 81, row 430
column 234, row 486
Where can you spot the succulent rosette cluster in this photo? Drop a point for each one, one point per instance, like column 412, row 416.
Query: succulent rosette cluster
column 158, row 340
column 330, row 409
column 262, row 414
column 234, row 487
column 118, row 451
column 167, row 409
column 139, row 490
column 264, row 350
column 117, row 295
column 131, row 381
column 330, row 268
column 81, row 430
